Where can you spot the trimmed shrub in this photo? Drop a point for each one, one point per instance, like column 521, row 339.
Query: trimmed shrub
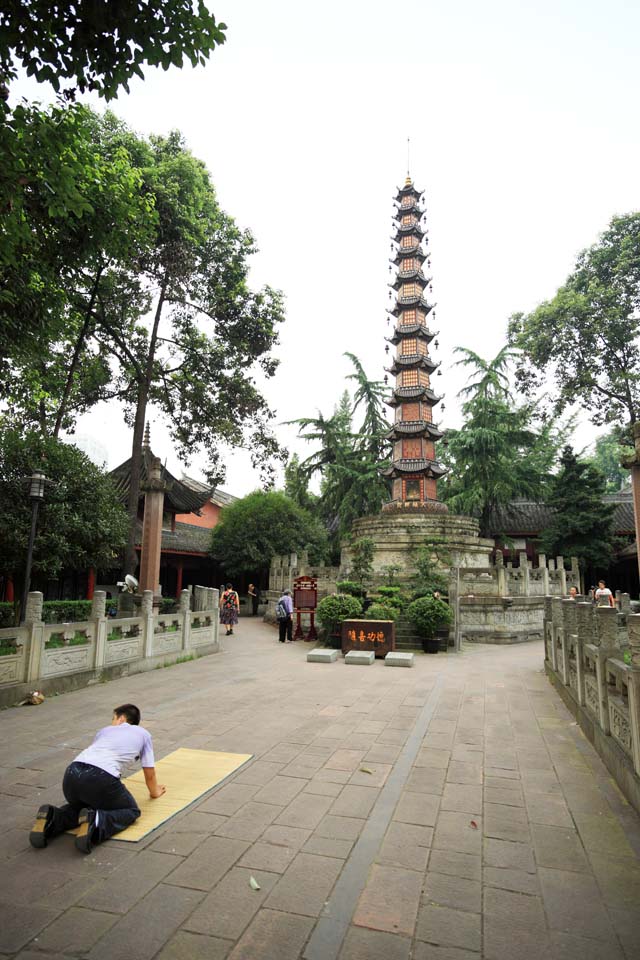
column 7, row 615
column 427, row 614
column 351, row 587
column 66, row 611
column 334, row 609
column 168, row 605
column 380, row 611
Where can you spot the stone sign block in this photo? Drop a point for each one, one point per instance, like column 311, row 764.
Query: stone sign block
column 376, row 635
column 363, row 658
column 320, row 655
column 398, row 659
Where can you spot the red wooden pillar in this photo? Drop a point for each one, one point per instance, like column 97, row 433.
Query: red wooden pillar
column 179, row 579
column 8, row 590
column 91, row 582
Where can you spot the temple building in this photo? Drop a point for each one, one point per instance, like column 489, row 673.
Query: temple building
column 415, row 470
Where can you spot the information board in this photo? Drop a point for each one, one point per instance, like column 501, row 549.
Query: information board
column 376, row 635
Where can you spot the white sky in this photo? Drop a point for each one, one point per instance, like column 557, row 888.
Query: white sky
column 523, row 119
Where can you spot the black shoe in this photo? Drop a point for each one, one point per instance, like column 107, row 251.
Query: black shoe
column 230, row 631
column 41, row 830
column 84, row 838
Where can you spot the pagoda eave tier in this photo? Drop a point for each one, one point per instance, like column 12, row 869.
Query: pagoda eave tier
column 401, row 394
column 412, row 208
column 411, row 330
column 405, row 275
column 414, row 428
column 408, row 468
column 403, row 253
column 415, row 361
column 407, row 303
column 407, row 189
column 406, row 229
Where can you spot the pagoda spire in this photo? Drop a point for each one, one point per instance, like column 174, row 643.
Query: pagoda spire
column 415, row 469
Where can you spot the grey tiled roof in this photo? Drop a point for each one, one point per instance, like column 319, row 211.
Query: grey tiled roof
column 527, row 517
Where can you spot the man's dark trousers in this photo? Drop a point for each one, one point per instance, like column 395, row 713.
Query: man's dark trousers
column 87, row 786
column 286, row 627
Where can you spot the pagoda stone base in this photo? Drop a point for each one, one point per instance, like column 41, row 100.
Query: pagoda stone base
column 398, row 534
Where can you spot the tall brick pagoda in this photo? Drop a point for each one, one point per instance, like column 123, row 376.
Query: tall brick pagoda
column 415, row 469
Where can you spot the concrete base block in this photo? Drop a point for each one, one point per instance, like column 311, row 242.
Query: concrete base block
column 398, row 659
column 360, row 657
column 322, row 655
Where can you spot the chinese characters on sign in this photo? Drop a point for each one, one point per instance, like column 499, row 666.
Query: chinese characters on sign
column 305, row 600
column 376, row 635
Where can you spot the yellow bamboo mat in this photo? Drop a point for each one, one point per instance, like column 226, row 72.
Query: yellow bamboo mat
column 187, row 775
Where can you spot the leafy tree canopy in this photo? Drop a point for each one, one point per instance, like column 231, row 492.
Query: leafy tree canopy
column 81, row 521
column 608, row 451
column 262, row 525
column 586, row 337
column 582, row 524
column 502, row 451
column 101, row 46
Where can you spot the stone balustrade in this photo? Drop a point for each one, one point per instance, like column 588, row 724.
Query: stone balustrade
column 592, row 656
column 58, row 656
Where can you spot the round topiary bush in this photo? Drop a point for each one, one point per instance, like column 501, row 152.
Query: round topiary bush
column 351, row 587
column 427, row 614
column 380, row 611
column 334, row 609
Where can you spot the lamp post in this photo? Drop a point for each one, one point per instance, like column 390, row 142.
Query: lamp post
column 36, row 495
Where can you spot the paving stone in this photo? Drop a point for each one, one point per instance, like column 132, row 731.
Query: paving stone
column 273, row 936
column 432, row 757
column 21, row 923
column 455, row 892
column 208, row 864
column 197, row 822
column 282, row 753
column 389, row 900
column 456, row 864
column 406, row 845
column 181, row 844
column 323, row 788
column 293, row 837
column 339, row 828
column 355, row 801
column 574, row 904
column 306, row 885
column 326, row 847
column 305, row 811
column 250, row 822
column 345, row 760
column 508, row 854
column 362, row 658
column 371, row 726
column 505, row 940
column 548, row 809
column 427, row 780
column 75, row 931
column 503, row 828
column 627, row 926
column 517, row 880
column 508, row 797
column 398, row 659
column 496, row 773
column 418, row 808
column 375, row 777
column 449, row 928
column 558, row 847
column 602, row 836
column 193, row 946
column 462, row 798
column 431, row 951
column 330, row 775
column 229, row 908
column 322, row 655
column 148, row 926
column 259, row 772
column 459, row 772
column 229, row 799
column 520, row 909
column 362, row 944
column 566, row 946
column 454, row 831
column 268, row 856
column 382, row 753
column 618, row 880
column 280, row 790
column 130, row 882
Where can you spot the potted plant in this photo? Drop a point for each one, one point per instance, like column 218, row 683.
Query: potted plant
column 332, row 610
column 427, row 614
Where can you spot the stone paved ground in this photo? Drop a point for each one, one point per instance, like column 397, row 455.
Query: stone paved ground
column 448, row 812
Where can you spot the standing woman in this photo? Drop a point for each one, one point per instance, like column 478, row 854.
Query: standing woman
column 229, row 606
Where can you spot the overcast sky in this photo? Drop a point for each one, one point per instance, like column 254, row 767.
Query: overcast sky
column 523, row 119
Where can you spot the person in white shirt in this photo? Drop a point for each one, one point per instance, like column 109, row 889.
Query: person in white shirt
column 603, row 596
column 97, row 800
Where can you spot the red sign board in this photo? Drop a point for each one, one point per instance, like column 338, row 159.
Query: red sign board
column 305, row 593
column 376, row 635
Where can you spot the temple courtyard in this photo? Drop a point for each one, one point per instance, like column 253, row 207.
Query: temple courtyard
column 447, row 812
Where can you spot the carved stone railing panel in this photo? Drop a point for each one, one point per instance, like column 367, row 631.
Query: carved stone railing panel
column 123, row 650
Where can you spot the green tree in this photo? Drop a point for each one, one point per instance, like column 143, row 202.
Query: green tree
column 362, row 553
column 296, row 484
column 581, row 525
column 81, row 521
column 102, row 46
column 607, row 453
column 587, row 337
column 499, row 453
column 262, row 525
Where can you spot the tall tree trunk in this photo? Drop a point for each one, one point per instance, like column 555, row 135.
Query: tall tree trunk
column 144, row 385
column 75, row 360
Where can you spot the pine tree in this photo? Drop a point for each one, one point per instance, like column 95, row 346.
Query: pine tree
column 582, row 524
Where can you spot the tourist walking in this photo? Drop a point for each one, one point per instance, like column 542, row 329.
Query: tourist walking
column 284, row 613
column 97, row 801
column 603, row 596
column 255, row 599
column 229, row 606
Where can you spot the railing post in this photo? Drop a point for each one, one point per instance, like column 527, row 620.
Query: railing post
column 607, row 633
column 185, row 614
column 34, row 623
column 633, row 622
column 99, row 617
column 563, row 575
column 524, row 581
column 148, row 623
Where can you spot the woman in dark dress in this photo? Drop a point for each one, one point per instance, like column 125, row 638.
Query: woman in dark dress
column 229, row 606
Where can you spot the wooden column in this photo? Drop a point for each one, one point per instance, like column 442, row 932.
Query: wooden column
column 179, row 578
column 91, row 582
column 152, row 530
